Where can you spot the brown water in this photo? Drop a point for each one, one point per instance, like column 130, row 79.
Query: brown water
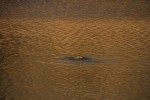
column 30, row 68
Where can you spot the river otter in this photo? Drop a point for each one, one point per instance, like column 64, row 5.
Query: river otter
column 79, row 57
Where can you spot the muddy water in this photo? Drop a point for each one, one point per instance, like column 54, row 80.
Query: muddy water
column 31, row 68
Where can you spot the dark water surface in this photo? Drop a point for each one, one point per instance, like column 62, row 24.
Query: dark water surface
column 35, row 63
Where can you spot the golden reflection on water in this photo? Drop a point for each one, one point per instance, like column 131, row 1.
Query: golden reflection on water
column 30, row 49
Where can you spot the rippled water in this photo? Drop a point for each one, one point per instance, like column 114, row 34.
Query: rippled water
column 31, row 68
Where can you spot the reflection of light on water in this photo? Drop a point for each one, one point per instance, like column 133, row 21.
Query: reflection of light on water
column 80, row 64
